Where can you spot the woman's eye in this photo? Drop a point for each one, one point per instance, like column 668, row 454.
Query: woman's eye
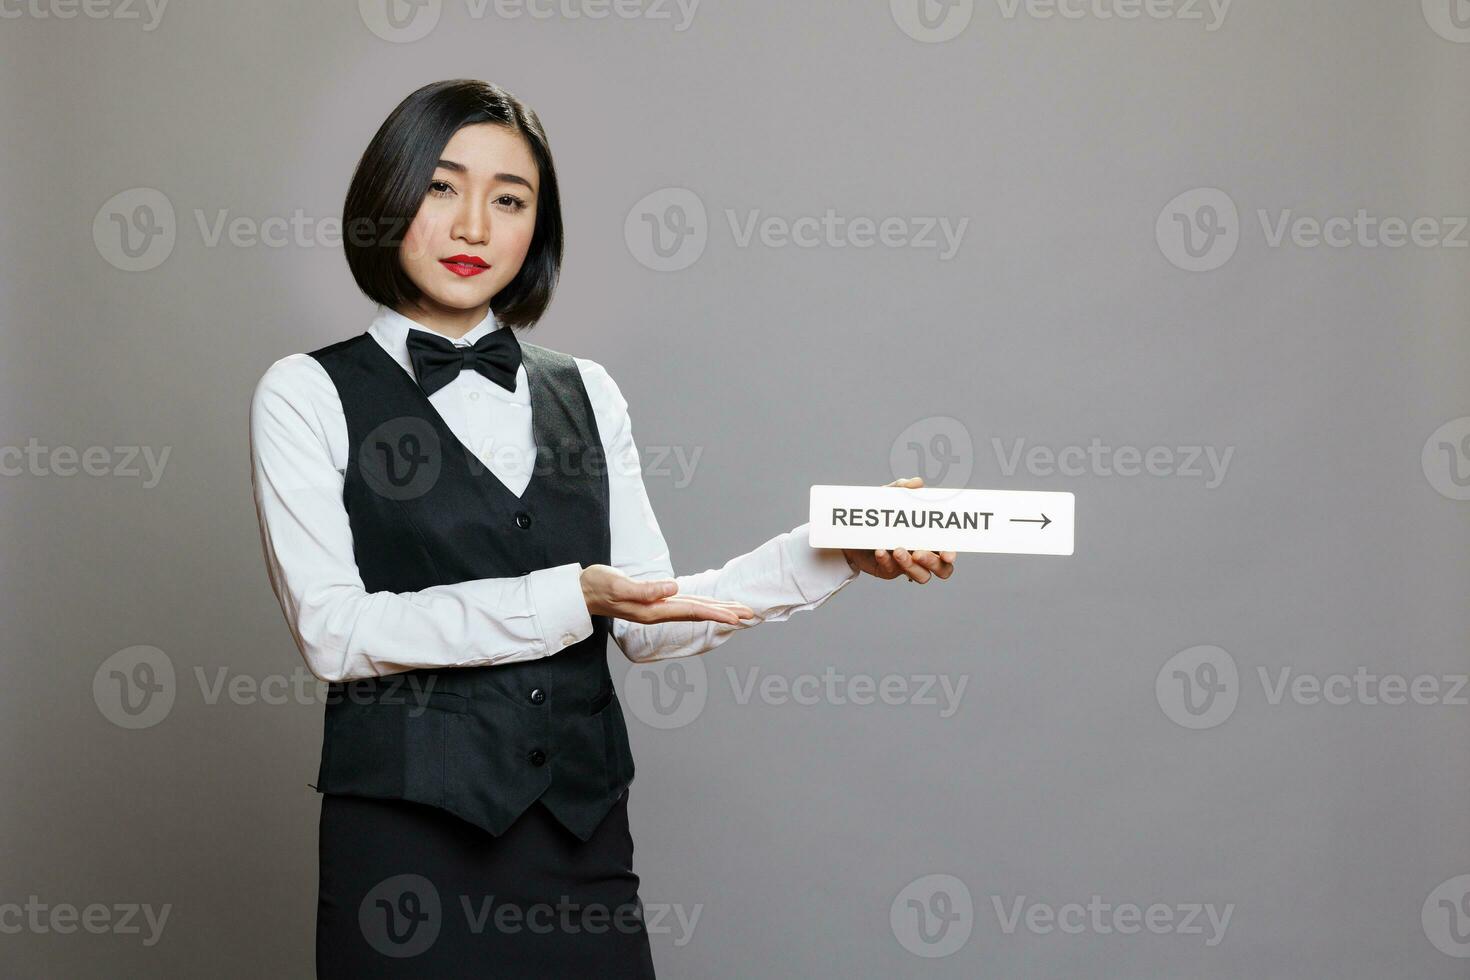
column 510, row 202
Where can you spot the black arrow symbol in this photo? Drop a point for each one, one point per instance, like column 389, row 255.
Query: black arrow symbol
column 1043, row 521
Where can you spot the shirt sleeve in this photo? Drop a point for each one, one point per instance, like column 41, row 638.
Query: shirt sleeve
column 343, row 631
column 778, row 579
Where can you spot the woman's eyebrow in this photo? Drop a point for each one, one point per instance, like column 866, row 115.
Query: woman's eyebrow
column 460, row 168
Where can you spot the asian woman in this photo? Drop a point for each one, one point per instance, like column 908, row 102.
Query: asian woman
column 455, row 523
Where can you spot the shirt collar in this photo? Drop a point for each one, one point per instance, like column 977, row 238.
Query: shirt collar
column 390, row 328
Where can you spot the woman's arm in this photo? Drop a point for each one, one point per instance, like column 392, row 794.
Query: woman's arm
column 343, row 631
column 778, row 579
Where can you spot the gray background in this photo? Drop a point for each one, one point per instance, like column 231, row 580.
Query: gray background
column 795, row 829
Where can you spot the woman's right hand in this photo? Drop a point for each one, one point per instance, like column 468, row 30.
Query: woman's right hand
column 609, row 592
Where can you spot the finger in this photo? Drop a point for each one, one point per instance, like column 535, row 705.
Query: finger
column 739, row 609
column 911, row 568
column 709, row 601
column 928, row 559
column 648, row 590
column 685, row 611
column 696, row 597
column 887, row 567
column 935, row 562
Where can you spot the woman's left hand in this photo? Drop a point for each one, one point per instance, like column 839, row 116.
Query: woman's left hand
column 919, row 566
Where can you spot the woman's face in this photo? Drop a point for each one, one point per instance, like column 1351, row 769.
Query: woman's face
column 480, row 204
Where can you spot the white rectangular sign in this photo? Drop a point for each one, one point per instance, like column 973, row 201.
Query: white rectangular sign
column 1016, row 522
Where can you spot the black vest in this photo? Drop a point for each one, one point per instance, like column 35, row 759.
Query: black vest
column 481, row 742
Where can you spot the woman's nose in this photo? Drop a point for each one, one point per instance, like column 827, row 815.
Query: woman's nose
column 472, row 225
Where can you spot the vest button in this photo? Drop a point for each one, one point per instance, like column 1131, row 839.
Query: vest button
column 537, row 757
column 523, row 520
column 537, row 696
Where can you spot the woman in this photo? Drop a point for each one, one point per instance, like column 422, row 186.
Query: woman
column 455, row 523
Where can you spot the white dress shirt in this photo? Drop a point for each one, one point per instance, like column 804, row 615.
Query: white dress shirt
column 298, row 438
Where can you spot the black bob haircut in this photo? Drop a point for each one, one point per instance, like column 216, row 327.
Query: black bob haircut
column 393, row 175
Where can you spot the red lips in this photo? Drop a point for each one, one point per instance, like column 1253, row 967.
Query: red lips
column 465, row 265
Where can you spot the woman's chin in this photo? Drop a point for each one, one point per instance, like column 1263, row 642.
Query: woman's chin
column 458, row 295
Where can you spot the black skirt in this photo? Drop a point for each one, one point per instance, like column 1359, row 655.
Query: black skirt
column 409, row 890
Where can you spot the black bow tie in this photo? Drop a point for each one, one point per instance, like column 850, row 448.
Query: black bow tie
column 436, row 361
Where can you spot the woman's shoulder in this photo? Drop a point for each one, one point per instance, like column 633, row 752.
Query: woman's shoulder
column 306, row 368
column 592, row 371
column 293, row 372
column 602, row 391
column 296, row 383
column 595, row 377
column 597, row 380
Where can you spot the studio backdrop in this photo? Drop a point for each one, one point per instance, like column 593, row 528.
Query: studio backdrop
column 1200, row 263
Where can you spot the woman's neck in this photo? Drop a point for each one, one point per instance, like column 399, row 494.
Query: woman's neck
column 446, row 320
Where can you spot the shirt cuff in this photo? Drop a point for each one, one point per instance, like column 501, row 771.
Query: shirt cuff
column 560, row 608
column 818, row 572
